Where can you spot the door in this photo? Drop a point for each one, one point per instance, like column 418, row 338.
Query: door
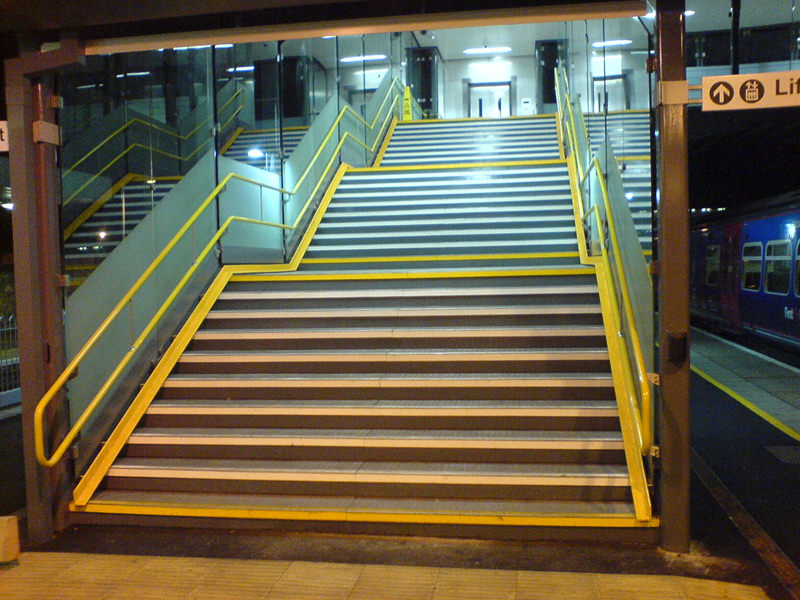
column 492, row 100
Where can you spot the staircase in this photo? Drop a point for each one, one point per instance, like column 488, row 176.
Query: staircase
column 629, row 133
column 97, row 237
column 262, row 148
column 438, row 360
column 474, row 141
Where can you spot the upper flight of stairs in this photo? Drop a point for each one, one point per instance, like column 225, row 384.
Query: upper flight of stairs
column 475, row 141
column 268, row 143
column 439, row 359
column 104, row 230
column 629, row 133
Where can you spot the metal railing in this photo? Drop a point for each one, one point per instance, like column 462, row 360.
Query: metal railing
column 9, row 353
column 185, row 153
column 389, row 106
column 603, row 239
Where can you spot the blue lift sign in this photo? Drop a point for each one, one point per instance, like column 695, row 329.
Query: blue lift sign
column 757, row 90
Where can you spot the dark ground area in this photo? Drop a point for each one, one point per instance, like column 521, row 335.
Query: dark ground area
column 12, row 474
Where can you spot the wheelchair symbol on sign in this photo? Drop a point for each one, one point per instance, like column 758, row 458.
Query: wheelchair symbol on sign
column 751, row 91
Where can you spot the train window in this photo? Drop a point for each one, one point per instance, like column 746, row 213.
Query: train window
column 777, row 267
column 712, row 264
column 797, row 272
column 751, row 266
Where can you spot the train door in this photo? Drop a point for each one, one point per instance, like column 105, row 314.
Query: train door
column 729, row 275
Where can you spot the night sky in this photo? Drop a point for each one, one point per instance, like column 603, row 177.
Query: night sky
column 738, row 159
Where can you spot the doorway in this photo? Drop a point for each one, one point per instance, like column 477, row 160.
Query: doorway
column 491, row 100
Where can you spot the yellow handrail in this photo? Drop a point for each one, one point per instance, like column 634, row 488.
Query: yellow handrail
column 134, row 120
column 645, row 412
column 646, row 409
column 41, row 407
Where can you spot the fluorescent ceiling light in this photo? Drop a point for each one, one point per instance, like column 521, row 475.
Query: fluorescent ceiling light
column 133, row 74
column 241, row 69
column 192, row 47
column 688, row 13
column 223, row 46
column 488, row 50
column 328, row 37
column 352, row 59
column 255, row 153
column 8, row 205
column 611, row 43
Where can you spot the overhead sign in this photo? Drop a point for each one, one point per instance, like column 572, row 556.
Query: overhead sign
column 3, row 136
column 758, row 90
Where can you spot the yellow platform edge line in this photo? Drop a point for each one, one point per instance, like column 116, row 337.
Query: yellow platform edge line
column 749, row 405
column 242, row 275
column 562, row 520
column 481, row 165
column 434, row 258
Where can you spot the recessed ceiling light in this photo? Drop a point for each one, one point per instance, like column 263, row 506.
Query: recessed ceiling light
column 352, row 59
column 611, row 43
column 688, row 13
column 8, row 205
column 255, row 153
column 241, row 69
column 488, row 50
column 133, row 74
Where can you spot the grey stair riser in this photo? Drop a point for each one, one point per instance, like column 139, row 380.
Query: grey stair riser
column 405, row 228
column 387, row 490
column 465, row 283
column 502, row 192
column 498, row 297
column 425, row 233
column 422, row 423
column 508, row 260
column 400, row 321
column 377, row 214
column 334, row 342
column 437, row 249
column 343, row 366
column 301, row 392
column 316, row 453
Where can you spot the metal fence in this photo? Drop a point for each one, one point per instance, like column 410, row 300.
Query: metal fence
column 9, row 353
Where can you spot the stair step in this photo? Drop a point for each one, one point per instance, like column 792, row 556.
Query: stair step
column 355, row 508
column 374, row 472
column 382, row 438
column 386, row 408
column 433, row 292
column 426, row 380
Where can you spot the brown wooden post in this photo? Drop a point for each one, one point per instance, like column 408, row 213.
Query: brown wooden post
column 673, row 275
column 37, row 268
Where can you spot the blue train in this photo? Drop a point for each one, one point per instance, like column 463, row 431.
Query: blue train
column 745, row 274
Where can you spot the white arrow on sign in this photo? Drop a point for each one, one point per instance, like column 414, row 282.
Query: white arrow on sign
column 721, row 93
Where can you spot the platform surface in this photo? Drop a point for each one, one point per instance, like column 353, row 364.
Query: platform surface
column 67, row 576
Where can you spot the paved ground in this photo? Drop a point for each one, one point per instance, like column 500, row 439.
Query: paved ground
column 44, row 576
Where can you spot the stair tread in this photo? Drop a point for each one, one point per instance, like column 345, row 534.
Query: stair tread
column 410, row 332
column 356, row 504
column 436, row 311
column 228, row 468
column 411, row 292
column 369, row 355
column 368, row 407
column 491, row 435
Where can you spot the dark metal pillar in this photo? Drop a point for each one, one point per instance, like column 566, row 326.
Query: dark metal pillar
column 37, row 269
column 736, row 14
column 673, row 275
